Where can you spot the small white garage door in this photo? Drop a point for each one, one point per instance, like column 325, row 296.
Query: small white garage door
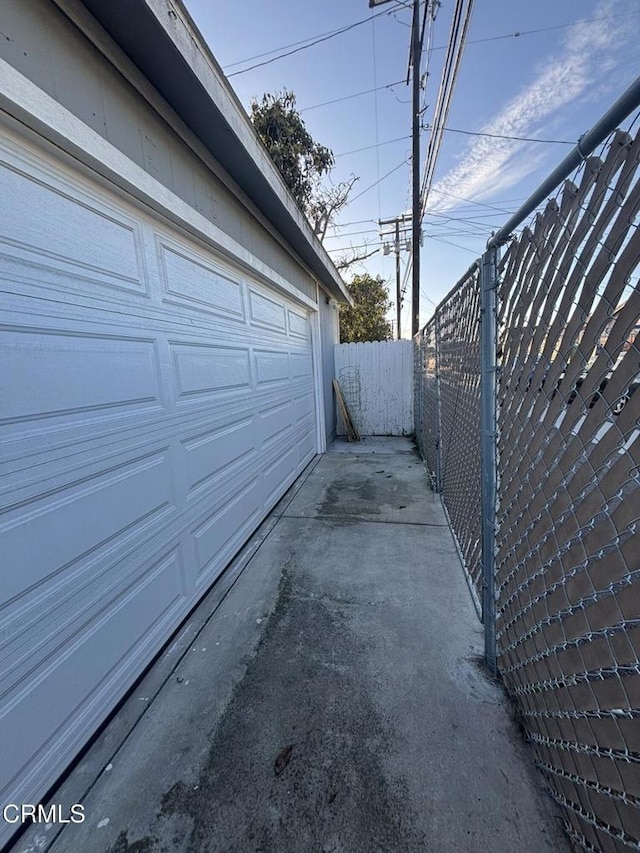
column 155, row 405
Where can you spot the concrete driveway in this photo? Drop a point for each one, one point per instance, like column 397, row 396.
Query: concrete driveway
column 327, row 699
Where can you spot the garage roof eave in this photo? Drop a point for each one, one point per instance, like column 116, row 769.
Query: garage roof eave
column 165, row 44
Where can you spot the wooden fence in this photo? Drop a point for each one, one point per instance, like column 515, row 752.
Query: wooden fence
column 377, row 382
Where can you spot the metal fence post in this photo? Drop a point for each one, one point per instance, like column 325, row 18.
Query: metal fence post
column 438, row 407
column 488, row 449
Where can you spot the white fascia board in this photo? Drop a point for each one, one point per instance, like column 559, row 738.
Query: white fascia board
column 181, row 29
column 38, row 111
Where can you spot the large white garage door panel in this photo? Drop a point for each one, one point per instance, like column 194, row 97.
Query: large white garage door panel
column 155, row 405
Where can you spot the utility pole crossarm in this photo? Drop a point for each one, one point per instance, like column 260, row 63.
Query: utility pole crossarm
column 404, row 221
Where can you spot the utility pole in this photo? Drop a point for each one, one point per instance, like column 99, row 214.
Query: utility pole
column 396, row 221
column 416, row 51
column 415, row 56
column 398, row 294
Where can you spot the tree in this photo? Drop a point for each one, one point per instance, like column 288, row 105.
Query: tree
column 302, row 162
column 326, row 203
column 297, row 156
column 366, row 321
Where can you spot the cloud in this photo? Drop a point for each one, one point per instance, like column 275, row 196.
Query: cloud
column 590, row 51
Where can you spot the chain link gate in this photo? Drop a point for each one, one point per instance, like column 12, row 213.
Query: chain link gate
column 532, row 419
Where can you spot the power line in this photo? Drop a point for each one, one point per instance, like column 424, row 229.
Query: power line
column 470, row 205
column 455, row 49
column 375, row 183
column 355, row 222
column 370, row 147
column 347, row 248
column 423, row 292
column 449, row 130
column 351, row 233
column 349, row 97
column 447, row 220
column 455, row 245
column 472, row 219
column 462, row 232
column 319, row 40
column 470, row 200
column 375, row 105
column 520, row 33
column 310, row 41
column 504, row 136
column 281, row 47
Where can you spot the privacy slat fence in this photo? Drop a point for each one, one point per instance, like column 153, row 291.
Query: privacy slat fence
column 563, row 527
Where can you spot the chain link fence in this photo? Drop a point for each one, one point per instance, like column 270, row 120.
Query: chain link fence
column 426, row 410
column 449, row 427
column 567, row 477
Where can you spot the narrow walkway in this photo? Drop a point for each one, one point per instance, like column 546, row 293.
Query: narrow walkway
column 333, row 702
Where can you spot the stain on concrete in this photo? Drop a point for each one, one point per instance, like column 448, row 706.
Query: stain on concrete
column 302, row 691
column 123, row 845
column 349, row 497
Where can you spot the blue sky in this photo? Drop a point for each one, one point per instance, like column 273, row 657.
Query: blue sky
column 551, row 84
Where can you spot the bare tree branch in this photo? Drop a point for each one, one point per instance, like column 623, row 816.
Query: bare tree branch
column 327, row 203
column 345, row 261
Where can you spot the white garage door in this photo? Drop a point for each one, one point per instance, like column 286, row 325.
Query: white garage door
column 155, row 403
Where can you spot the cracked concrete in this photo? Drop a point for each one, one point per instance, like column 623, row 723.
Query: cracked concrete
column 333, row 701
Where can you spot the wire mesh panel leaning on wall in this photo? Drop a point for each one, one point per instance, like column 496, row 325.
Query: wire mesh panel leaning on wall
column 568, row 544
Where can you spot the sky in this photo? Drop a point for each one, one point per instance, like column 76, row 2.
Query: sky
column 571, row 60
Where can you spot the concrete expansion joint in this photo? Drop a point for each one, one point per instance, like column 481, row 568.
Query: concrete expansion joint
column 356, row 519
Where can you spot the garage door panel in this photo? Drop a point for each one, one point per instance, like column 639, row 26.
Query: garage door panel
column 212, row 454
column 24, row 271
column 279, row 471
column 73, row 439
column 271, row 366
column 36, row 455
column 61, row 300
column 234, row 511
column 95, row 655
column 113, row 253
column 207, row 368
column 298, row 325
column 265, row 311
column 304, row 406
column 52, row 531
column 274, row 422
column 68, row 374
column 50, row 618
column 301, row 365
column 191, row 282
column 233, row 543
column 306, row 449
